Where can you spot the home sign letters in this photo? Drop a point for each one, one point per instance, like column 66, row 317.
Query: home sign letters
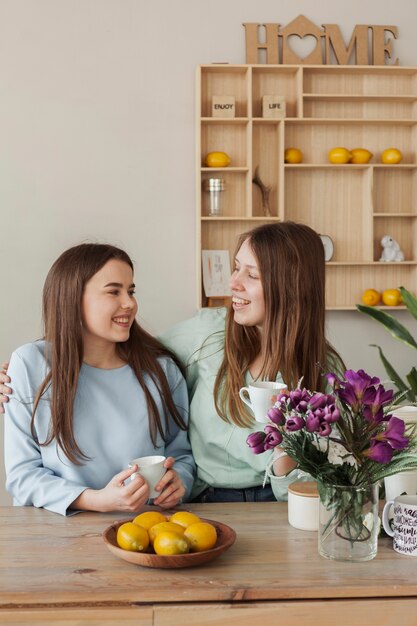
column 368, row 45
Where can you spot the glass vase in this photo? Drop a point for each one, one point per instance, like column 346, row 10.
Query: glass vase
column 348, row 522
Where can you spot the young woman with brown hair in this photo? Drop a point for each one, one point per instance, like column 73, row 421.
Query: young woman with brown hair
column 95, row 393
column 274, row 330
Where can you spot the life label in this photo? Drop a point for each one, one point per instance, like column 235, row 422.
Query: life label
column 273, row 106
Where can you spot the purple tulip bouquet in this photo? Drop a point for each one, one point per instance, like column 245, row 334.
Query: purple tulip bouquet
column 344, row 439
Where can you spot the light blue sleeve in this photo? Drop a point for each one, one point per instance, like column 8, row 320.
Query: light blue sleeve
column 27, row 480
column 177, row 444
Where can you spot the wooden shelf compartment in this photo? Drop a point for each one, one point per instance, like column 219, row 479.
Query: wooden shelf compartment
column 230, row 138
column 335, row 203
column 267, row 81
column 360, row 107
column 234, row 200
column 360, row 80
column 224, row 80
column 344, row 286
column 404, row 231
column 267, row 155
column 315, row 139
column 395, row 190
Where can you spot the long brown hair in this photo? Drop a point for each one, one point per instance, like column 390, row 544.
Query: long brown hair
column 62, row 320
column 291, row 264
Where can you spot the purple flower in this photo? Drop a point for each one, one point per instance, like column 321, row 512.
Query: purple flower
column 276, row 416
column 357, row 389
column 333, row 380
column 324, row 429
column 312, row 422
column 380, row 452
column 384, row 443
column 294, row 423
column 256, row 442
column 298, row 396
column 374, row 409
column 394, row 434
column 331, row 414
column 272, row 440
column 318, row 401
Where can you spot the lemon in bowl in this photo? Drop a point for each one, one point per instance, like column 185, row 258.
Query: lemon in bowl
column 360, row 156
column 339, row 156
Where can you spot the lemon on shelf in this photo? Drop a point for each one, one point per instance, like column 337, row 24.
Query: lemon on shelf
column 391, row 156
column 360, row 156
column 339, row 155
column 391, row 297
column 371, row 297
column 217, row 159
column 293, row 155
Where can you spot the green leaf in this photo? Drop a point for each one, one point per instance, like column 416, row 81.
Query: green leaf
column 412, row 380
column 393, row 326
column 409, row 301
column 392, row 374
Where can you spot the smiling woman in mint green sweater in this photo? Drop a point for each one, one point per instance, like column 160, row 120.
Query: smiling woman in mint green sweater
column 274, row 330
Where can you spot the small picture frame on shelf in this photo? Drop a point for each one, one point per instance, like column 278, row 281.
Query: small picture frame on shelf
column 223, row 106
column 216, row 273
column 273, row 106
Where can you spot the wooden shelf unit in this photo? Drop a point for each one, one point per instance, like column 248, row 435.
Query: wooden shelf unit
column 373, row 107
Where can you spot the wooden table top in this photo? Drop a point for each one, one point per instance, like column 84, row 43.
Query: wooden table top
column 47, row 560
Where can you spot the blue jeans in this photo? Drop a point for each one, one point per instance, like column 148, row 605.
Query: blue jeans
column 251, row 494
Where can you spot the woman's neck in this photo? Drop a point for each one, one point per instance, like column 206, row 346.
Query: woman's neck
column 103, row 356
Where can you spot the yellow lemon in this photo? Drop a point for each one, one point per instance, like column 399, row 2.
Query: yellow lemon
column 391, row 297
column 217, row 159
column 184, row 518
column 162, row 527
column 201, row 536
column 168, row 542
column 360, row 155
column 339, row 155
column 132, row 537
column 371, row 297
column 293, row 155
column 391, row 156
column 149, row 519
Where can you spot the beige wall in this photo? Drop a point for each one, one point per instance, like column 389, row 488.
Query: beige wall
column 97, row 142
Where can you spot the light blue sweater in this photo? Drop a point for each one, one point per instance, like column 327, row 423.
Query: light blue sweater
column 110, row 424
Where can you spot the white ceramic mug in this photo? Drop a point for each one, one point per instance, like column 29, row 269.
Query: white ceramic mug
column 404, row 483
column 260, row 397
column 405, row 524
column 151, row 468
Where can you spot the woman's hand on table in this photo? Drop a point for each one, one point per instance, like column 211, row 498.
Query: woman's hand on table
column 116, row 495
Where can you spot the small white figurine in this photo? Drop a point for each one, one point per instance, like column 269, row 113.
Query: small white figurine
column 391, row 250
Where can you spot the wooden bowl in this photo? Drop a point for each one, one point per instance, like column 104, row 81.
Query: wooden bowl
column 225, row 538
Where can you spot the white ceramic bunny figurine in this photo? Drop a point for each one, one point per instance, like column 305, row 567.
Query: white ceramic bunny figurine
column 391, row 250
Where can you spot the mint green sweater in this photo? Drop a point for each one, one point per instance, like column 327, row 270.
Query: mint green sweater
column 219, row 448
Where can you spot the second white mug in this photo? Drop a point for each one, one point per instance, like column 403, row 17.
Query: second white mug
column 151, row 468
column 260, row 397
